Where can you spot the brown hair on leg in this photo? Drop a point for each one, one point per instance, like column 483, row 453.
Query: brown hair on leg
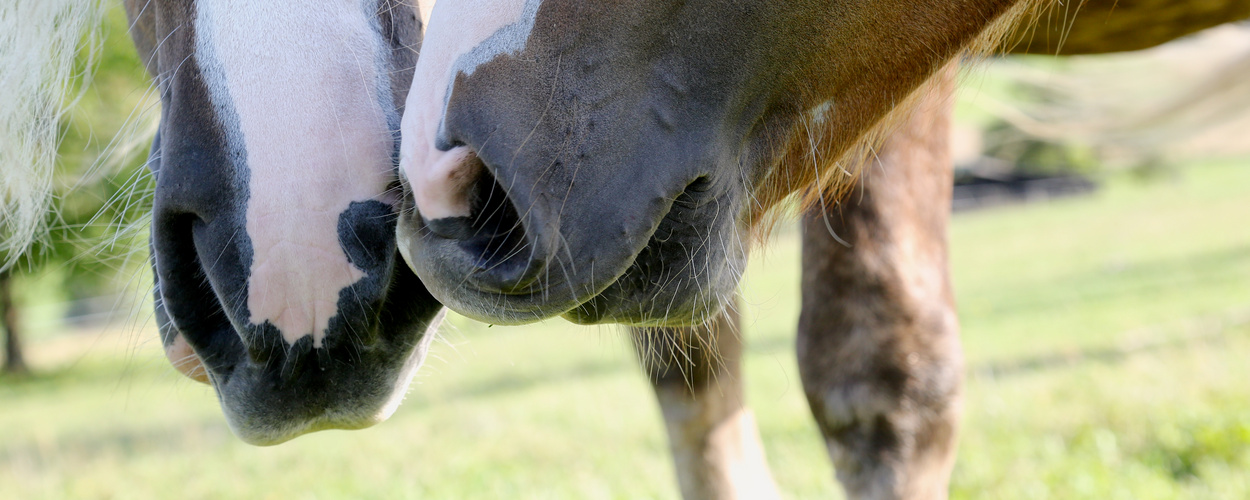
column 878, row 342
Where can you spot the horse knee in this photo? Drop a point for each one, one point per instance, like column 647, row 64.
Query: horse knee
column 890, row 420
column 888, row 409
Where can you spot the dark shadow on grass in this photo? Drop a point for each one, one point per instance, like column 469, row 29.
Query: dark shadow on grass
column 87, row 447
column 513, row 383
column 509, row 383
column 1211, row 332
column 1204, row 331
column 1133, row 279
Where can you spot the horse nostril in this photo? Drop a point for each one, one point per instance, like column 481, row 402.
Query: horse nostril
column 492, row 236
column 468, row 210
column 497, row 226
column 489, row 213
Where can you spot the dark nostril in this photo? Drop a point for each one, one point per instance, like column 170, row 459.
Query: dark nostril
column 489, row 211
column 493, row 236
column 702, row 184
column 493, row 216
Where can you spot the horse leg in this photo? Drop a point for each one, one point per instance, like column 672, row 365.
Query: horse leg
column 878, row 344
column 697, row 376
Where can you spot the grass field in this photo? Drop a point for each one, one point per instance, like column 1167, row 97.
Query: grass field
column 1108, row 341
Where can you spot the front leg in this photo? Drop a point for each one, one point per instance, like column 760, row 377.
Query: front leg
column 878, row 342
column 697, row 376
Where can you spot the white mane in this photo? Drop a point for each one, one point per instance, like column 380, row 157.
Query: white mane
column 39, row 40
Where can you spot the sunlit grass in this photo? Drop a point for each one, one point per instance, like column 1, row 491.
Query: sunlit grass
column 558, row 411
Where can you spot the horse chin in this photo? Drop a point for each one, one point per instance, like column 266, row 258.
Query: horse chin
column 644, row 299
column 272, row 391
column 262, row 409
column 264, row 429
column 273, row 435
column 674, row 307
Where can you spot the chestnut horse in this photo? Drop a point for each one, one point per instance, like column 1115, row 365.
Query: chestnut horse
column 607, row 163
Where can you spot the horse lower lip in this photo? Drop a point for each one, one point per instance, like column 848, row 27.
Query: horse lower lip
column 271, row 437
column 480, row 297
column 452, row 228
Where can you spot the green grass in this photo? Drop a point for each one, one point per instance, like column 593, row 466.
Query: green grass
column 557, row 411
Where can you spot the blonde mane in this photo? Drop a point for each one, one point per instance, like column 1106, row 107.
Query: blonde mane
column 39, row 41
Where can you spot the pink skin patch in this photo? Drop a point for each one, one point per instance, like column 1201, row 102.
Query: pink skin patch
column 424, row 7
column 184, row 359
column 304, row 85
column 443, row 188
column 459, row 37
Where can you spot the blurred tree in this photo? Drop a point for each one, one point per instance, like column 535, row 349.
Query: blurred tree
column 14, row 361
column 96, row 227
column 1031, row 155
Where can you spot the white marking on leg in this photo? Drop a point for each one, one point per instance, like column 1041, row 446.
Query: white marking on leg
column 737, row 440
column 717, row 453
column 304, row 86
column 461, row 37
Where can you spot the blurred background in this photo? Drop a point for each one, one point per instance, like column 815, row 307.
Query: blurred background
column 1101, row 258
